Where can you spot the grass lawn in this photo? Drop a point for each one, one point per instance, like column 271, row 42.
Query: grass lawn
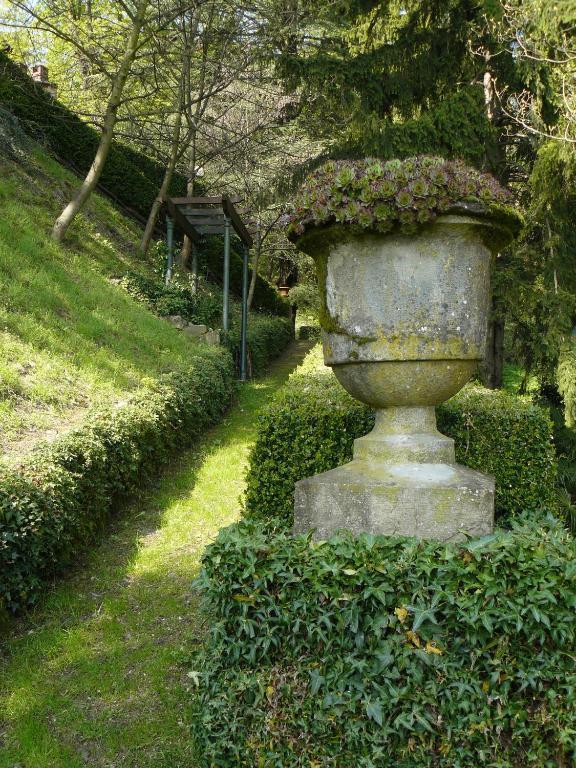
column 97, row 676
column 69, row 337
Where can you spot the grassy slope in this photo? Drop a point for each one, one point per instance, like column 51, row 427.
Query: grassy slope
column 98, row 676
column 69, row 337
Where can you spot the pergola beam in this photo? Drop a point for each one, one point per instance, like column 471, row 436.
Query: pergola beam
column 237, row 222
column 188, row 206
column 181, row 221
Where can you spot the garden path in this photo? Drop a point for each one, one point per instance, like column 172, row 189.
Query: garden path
column 97, row 676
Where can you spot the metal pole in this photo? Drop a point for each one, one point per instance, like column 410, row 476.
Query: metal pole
column 226, row 280
column 194, row 269
column 170, row 246
column 244, row 332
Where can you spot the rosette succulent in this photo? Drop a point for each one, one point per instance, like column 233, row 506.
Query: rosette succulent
column 381, row 196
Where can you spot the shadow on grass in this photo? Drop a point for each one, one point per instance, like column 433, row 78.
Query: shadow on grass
column 97, row 675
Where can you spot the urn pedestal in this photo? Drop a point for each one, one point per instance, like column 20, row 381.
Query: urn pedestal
column 404, row 327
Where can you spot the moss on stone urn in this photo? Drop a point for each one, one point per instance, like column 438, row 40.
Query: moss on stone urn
column 403, row 251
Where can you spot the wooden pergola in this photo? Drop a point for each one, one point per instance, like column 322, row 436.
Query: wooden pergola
column 198, row 217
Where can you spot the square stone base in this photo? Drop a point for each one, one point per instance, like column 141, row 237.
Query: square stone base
column 447, row 502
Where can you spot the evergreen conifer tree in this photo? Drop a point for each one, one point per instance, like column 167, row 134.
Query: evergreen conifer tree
column 405, row 77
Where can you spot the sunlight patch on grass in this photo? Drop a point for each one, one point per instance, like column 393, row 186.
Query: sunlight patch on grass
column 98, row 675
column 69, row 337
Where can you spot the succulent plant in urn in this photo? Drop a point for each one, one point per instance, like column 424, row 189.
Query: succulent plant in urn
column 403, row 251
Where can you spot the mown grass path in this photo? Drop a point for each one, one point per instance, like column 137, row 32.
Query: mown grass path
column 98, row 675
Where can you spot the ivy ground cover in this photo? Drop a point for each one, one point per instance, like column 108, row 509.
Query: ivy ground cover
column 381, row 651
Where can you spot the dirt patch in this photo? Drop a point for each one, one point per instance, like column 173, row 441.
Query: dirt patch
column 13, row 449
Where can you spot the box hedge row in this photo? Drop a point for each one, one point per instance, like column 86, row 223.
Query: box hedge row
column 59, row 497
column 383, row 652
column 312, row 423
column 268, row 336
column 129, row 177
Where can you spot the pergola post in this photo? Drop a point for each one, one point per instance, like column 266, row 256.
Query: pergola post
column 197, row 217
column 194, row 269
column 226, row 280
column 170, row 247
column 244, row 331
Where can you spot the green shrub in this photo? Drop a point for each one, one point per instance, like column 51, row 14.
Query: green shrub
column 203, row 307
column 129, row 177
column 60, row 496
column 309, row 332
column 312, row 423
column 379, row 651
column 267, row 339
column 565, row 445
column 566, row 375
column 306, row 299
column 210, row 263
column 268, row 335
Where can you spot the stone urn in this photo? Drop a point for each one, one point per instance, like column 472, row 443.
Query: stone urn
column 404, row 321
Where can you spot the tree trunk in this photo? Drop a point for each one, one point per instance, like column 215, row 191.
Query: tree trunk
column 187, row 244
column 253, row 278
column 192, row 117
column 498, row 356
column 495, row 160
column 168, row 173
column 492, row 369
column 110, row 118
column 163, row 191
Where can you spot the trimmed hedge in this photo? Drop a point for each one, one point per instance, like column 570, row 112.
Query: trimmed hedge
column 376, row 652
column 131, row 178
column 309, row 332
column 60, row 496
column 312, row 423
column 267, row 339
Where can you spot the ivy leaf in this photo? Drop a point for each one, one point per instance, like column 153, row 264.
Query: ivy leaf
column 481, row 542
column 316, row 681
column 421, row 616
column 374, row 711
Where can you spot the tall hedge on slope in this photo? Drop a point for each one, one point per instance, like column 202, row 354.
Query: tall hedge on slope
column 60, row 496
column 131, row 178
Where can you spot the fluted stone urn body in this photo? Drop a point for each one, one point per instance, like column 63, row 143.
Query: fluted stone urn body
column 404, row 327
